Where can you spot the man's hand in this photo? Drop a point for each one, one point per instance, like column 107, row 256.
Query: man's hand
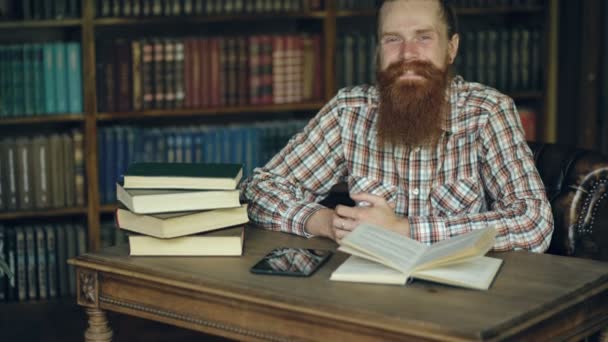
column 376, row 211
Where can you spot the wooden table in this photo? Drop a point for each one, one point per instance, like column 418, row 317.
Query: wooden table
column 534, row 296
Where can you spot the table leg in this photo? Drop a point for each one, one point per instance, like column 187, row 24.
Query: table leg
column 99, row 329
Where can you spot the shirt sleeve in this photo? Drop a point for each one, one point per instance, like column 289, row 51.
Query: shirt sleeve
column 284, row 193
column 519, row 208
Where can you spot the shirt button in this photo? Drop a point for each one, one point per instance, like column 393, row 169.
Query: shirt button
column 415, row 191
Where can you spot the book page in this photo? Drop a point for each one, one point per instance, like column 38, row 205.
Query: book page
column 475, row 273
column 391, row 249
column 359, row 270
column 475, row 243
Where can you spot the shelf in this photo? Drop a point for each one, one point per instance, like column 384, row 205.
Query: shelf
column 29, row 120
column 107, row 208
column 26, row 214
column 172, row 113
column 500, row 10
column 19, row 24
column 459, row 11
column 205, row 19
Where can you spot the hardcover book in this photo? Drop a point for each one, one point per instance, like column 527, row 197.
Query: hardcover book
column 150, row 201
column 181, row 223
column 384, row 257
column 207, row 176
column 225, row 242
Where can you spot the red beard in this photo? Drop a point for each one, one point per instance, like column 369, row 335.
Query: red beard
column 411, row 112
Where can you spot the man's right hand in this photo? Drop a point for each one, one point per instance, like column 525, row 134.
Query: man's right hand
column 326, row 223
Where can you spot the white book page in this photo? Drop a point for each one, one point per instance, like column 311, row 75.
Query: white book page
column 359, row 270
column 391, row 249
column 460, row 246
column 475, row 273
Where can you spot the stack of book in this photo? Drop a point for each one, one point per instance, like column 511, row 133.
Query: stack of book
column 182, row 209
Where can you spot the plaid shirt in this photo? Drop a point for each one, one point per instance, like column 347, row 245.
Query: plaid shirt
column 481, row 173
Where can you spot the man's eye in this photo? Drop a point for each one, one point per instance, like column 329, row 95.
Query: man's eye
column 425, row 37
column 391, row 39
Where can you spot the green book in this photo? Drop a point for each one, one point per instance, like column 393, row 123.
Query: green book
column 201, row 176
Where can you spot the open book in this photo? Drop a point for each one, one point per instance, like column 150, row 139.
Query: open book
column 385, row 257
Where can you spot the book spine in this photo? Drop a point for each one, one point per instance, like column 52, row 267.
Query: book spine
column 50, row 90
column 159, row 74
column 51, row 258
column 30, row 260
column 136, row 53
column 122, row 63
column 179, row 74
column 79, row 167
column 62, row 267
column 74, row 77
column 68, row 170
column 21, row 264
column 61, row 76
column 41, row 262
column 147, row 74
column 24, row 174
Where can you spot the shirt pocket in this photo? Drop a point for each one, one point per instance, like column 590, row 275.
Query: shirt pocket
column 373, row 186
column 456, row 198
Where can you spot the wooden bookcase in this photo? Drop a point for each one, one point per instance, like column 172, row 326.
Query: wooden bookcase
column 329, row 17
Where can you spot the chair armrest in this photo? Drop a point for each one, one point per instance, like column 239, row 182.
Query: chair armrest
column 576, row 181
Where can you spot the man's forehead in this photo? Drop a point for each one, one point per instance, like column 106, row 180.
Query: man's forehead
column 416, row 14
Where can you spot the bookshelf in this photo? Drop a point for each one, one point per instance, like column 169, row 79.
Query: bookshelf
column 86, row 30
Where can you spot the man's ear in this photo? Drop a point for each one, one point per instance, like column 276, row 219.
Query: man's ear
column 453, row 47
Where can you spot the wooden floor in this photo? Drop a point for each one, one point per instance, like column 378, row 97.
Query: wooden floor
column 66, row 322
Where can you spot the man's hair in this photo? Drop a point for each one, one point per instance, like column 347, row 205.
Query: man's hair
column 447, row 13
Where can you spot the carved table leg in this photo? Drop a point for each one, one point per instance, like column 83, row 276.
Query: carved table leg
column 99, row 330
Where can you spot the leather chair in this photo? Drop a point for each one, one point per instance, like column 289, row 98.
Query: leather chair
column 576, row 182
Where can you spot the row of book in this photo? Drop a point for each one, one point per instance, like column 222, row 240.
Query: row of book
column 355, row 59
column 148, row 8
column 495, row 3
column 182, row 209
column 209, row 72
column 40, row 79
column 36, row 255
column 507, row 59
column 251, row 145
column 43, row 171
column 37, row 9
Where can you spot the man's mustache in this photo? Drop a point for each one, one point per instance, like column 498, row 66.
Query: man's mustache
column 424, row 69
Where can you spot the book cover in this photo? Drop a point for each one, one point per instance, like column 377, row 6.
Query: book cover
column 41, row 262
column 207, row 176
column 392, row 258
column 147, row 201
column 225, row 242
column 182, row 223
column 51, row 259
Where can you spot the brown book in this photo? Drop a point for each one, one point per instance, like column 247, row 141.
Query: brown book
column 279, row 69
column 169, row 73
column 68, row 173
column 79, row 167
column 254, row 70
column 147, row 74
column 158, row 78
column 57, row 168
column 188, row 73
column 205, row 77
column 319, row 83
column 24, row 174
column 179, row 73
column 266, row 63
column 215, row 68
column 122, row 63
column 136, row 54
column 242, row 71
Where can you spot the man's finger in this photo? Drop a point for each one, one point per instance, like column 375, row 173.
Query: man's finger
column 371, row 199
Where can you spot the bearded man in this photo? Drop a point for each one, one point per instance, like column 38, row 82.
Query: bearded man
column 430, row 155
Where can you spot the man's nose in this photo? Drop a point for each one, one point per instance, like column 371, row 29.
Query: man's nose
column 409, row 51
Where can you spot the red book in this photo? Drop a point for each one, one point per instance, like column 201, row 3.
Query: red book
column 255, row 80
column 242, row 71
column 318, row 83
column 188, row 72
column 215, row 67
column 205, row 72
column 527, row 116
